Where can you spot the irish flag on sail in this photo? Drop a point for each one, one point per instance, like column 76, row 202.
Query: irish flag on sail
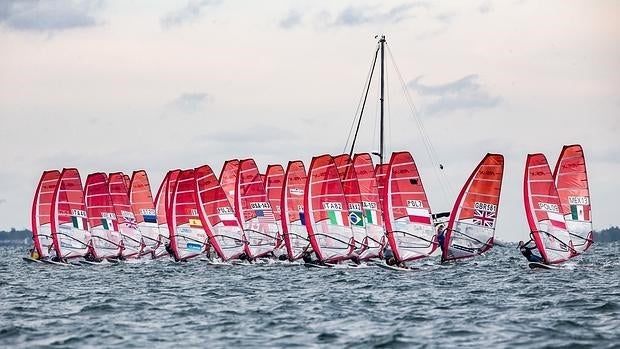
column 335, row 213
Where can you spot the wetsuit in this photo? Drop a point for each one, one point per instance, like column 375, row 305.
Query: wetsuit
column 441, row 238
column 527, row 252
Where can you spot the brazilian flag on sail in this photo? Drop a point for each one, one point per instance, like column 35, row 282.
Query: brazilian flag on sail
column 356, row 219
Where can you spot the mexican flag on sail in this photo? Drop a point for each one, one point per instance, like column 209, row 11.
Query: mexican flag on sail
column 579, row 213
column 79, row 222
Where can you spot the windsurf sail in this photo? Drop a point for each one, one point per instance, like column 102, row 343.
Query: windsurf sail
column 571, row 180
column 127, row 181
column 143, row 207
column 294, row 229
column 375, row 240
column 162, row 208
column 471, row 227
column 543, row 210
column 350, row 186
column 327, row 220
column 228, row 179
column 254, row 211
column 225, row 233
column 380, row 174
column 41, row 213
column 274, row 178
column 104, row 229
column 128, row 226
column 69, row 220
column 410, row 232
column 188, row 237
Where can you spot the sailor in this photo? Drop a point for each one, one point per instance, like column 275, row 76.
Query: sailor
column 441, row 237
column 34, row 254
column 527, row 252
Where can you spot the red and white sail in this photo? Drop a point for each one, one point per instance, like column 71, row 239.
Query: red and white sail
column 327, row 217
column 128, row 226
column 127, row 181
column 274, row 179
column 225, row 233
column 375, row 240
column 350, row 186
column 543, row 210
column 408, row 224
column 228, row 179
column 104, row 229
column 380, row 175
column 143, row 207
column 41, row 213
column 254, row 211
column 294, row 229
column 187, row 235
column 69, row 220
column 571, row 180
column 162, row 208
column 472, row 223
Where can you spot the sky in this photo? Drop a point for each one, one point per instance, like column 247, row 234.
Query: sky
column 111, row 86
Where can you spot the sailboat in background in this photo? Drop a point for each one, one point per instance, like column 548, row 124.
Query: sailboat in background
column 543, row 210
column 571, row 180
column 471, row 226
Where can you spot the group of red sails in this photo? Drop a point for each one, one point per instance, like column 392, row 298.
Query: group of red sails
column 339, row 209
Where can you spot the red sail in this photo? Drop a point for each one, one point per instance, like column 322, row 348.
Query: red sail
column 106, row 238
column 407, row 213
column 132, row 239
column 327, row 218
column 141, row 200
column 69, row 220
column 342, row 161
column 127, row 181
column 351, row 189
column 371, row 205
column 274, row 179
column 228, row 179
column 380, row 174
column 41, row 212
column 571, row 180
column 543, row 210
column 254, row 211
column 224, row 231
column 162, row 207
column 294, row 229
column 187, row 236
column 471, row 227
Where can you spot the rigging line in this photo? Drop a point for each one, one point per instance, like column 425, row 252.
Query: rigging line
column 388, row 119
column 363, row 104
column 431, row 152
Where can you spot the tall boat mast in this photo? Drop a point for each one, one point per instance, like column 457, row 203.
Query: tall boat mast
column 382, row 44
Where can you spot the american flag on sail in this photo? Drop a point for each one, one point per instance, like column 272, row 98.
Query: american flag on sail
column 265, row 216
column 484, row 218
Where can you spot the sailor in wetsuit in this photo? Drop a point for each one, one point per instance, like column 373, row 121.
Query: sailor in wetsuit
column 527, row 252
column 441, row 237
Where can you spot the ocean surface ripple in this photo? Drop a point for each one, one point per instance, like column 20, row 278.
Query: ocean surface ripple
column 494, row 301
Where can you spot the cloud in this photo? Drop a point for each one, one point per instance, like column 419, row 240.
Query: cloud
column 292, row 19
column 465, row 93
column 32, row 15
column 191, row 12
column 188, row 103
column 354, row 16
column 485, row 7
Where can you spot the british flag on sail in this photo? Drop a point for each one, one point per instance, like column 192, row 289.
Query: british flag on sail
column 484, row 218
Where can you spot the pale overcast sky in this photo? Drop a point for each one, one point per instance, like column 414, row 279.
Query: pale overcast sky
column 119, row 85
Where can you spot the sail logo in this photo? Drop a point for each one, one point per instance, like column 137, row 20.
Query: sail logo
column 549, row 207
column 128, row 215
column 570, row 165
column 296, row 191
column 225, row 210
column 260, row 205
column 483, row 206
column 108, row 215
column 415, row 204
column 78, row 213
column 487, row 172
column 355, row 206
column 193, row 212
column 578, row 200
column 369, row 205
column 332, row 206
column 537, row 173
column 147, row 211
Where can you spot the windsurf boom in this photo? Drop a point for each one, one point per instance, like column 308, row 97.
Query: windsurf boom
column 410, row 232
column 328, row 224
column 41, row 213
column 571, row 180
column 471, row 227
column 141, row 200
column 69, row 220
column 106, row 238
column 543, row 210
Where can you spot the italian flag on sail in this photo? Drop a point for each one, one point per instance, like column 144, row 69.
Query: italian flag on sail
column 336, row 217
column 579, row 213
column 371, row 216
column 79, row 222
column 108, row 224
column 557, row 220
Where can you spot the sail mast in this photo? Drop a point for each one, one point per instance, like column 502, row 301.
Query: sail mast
column 382, row 43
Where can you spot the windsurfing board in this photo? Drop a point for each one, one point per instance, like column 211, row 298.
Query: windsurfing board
column 90, row 263
column 392, row 267
column 316, row 265
column 31, row 260
column 49, row 261
column 535, row 265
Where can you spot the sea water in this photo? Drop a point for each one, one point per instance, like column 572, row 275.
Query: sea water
column 491, row 301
